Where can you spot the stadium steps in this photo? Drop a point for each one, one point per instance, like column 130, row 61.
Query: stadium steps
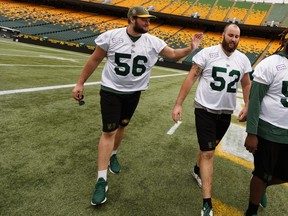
column 189, row 8
column 74, row 34
column 256, row 14
column 115, row 23
column 182, row 8
column 273, row 46
column 277, row 13
column 211, row 10
column 68, row 32
column 285, row 22
column 205, row 5
column 229, row 11
column 267, row 15
column 239, row 11
column 220, row 10
column 264, row 53
column 248, row 12
column 170, row 7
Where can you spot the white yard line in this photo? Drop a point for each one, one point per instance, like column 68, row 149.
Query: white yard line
column 174, row 128
column 27, row 65
column 15, row 91
column 43, row 88
column 41, row 56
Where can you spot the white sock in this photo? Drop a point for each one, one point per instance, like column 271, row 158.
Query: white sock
column 102, row 174
column 114, row 152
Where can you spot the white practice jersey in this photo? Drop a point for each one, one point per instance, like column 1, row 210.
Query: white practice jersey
column 273, row 71
column 218, row 83
column 129, row 63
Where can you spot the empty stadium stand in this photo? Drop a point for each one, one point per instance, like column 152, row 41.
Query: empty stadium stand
column 201, row 7
column 278, row 14
column 257, row 14
column 77, row 23
column 239, row 11
column 220, row 10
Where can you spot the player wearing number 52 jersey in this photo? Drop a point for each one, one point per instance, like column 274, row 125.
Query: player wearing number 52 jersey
column 130, row 53
column 218, row 70
column 267, row 125
column 218, row 83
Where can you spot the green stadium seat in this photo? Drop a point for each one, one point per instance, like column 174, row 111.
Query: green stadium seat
column 220, row 10
column 257, row 14
column 277, row 14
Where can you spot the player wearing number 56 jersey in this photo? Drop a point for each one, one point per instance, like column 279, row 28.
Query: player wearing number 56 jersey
column 218, row 70
column 267, row 125
column 129, row 62
column 130, row 53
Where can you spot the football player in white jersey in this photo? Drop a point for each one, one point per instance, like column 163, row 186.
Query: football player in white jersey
column 130, row 53
column 218, row 70
column 267, row 124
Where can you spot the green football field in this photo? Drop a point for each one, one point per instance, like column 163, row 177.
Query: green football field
column 49, row 144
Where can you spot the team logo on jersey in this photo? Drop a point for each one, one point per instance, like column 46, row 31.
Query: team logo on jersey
column 281, row 67
column 117, row 40
column 214, row 55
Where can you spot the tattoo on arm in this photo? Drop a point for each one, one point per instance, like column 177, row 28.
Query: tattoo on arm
column 197, row 70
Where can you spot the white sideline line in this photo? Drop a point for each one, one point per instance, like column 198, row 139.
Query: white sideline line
column 41, row 56
column 25, row 65
column 174, row 127
column 15, row 91
column 43, row 88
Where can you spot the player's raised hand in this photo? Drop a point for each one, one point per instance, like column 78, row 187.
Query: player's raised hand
column 197, row 38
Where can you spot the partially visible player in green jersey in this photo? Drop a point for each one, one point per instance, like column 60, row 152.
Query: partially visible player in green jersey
column 130, row 54
column 267, row 125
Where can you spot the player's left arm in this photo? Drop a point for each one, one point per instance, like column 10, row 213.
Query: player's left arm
column 176, row 54
column 246, row 85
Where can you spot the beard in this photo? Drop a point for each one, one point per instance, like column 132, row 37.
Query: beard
column 139, row 29
column 226, row 47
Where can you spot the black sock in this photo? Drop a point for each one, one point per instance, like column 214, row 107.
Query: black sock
column 208, row 201
column 252, row 209
column 197, row 169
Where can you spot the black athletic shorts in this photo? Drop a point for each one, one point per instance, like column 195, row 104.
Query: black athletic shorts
column 117, row 109
column 271, row 160
column 210, row 128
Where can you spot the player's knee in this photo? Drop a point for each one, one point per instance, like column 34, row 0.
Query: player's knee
column 207, row 155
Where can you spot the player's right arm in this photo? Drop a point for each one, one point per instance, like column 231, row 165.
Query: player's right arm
column 176, row 54
column 189, row 81
column 94, row 60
